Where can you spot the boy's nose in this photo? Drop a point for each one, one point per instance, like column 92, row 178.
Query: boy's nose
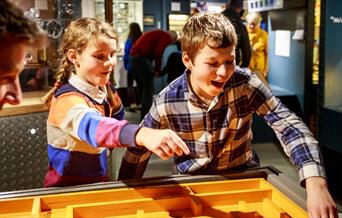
column 13, row 92
column 222, row 70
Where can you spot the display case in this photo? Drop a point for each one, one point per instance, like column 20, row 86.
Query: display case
column 54, row 17
column 38, row 73
column 124, row 13
column 176, row 22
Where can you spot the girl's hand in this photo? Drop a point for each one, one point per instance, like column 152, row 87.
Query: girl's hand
column 163, row 142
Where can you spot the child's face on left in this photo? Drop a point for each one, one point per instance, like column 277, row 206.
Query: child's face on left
column 96, row 62
column 210, row 70
column 12, row 60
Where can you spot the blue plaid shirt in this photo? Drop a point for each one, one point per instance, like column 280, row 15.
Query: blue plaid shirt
column 219, row 136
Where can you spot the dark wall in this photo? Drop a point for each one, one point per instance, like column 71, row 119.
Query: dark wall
column 155, row 8
column 333, row 55
column 331, row 113
column 330, row 120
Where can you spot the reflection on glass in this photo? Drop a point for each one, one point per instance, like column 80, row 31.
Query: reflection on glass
column 177, row 21
column 36, row 78
column 124, row 13
column 100, row 10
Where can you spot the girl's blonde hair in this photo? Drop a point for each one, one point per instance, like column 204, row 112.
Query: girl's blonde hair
column 77, row 36
column 209, row 28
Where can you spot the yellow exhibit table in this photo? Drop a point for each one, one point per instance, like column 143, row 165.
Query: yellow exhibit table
column 183, row 196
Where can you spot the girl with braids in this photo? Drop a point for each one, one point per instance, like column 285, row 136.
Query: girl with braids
column 85, row 111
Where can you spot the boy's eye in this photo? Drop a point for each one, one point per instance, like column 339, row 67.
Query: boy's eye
column 217, row 64
column 214, row 64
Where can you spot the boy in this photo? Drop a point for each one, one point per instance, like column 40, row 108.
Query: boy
column 211, row 106
column 17, row 34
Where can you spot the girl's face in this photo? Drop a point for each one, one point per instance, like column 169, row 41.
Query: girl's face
column 96, row 62
column 211, row 69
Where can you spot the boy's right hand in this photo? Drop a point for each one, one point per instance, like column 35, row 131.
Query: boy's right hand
column 163, row 142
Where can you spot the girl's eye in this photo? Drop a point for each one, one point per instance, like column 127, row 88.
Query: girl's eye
column 99, row 57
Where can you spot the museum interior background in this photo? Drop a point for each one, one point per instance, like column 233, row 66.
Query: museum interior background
column 305, row 70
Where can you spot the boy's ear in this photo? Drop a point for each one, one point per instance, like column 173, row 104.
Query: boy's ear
column 73, row 57
column 186, row 60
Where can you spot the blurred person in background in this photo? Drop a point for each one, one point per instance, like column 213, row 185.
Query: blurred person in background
column 133, row 36
column 17, row 35
column 172, row 63
column 259, row 42
column 147, row 49
column 170, row 56
column 243, row 48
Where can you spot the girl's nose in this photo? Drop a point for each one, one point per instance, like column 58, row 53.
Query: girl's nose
column 111, row 62
column 13, row 92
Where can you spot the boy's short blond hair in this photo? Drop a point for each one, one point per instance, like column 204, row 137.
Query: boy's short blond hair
column 209, row 28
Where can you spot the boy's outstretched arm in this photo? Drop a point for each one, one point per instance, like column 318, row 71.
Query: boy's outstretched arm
column 319, row 200
column 299, row 144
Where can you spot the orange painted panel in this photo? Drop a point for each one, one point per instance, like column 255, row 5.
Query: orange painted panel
column 230, row 198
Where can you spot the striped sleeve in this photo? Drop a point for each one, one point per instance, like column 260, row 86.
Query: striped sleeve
column 73, row 115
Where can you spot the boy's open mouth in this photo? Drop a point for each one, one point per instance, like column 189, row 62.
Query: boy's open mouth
column 217, row 84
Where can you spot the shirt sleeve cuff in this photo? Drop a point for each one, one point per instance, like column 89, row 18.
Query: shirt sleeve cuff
column 310, row 170
column 127, row 135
